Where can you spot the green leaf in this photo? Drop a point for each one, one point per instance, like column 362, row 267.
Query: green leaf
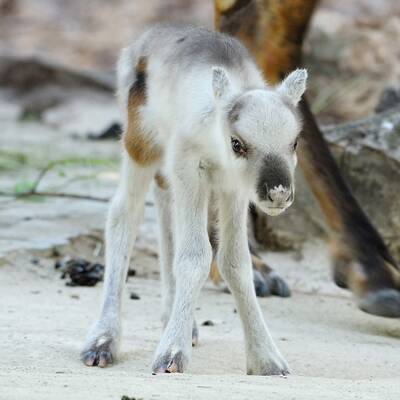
column 23, row 187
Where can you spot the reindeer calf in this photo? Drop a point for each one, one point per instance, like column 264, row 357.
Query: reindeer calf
column 201, row 121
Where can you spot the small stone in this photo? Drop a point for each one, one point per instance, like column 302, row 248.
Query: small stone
column 35, row 260
column 208, row 323
column 134, row 296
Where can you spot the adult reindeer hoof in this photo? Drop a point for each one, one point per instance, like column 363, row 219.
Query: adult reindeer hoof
column 266, row 281
column 172, row 361
column 270, row 284
column 376, row 285
column 384, row 302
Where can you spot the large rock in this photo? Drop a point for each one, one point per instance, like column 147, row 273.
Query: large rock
column 368, row 154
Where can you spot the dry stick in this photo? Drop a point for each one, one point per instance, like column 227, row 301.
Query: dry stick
column 41, row 175
column 54, row 194
column 34, row 192
column 60, row 194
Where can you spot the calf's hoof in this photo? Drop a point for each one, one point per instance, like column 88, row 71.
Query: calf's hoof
column 272, row 365
column 98, row 355
column 195, row 334
column 170, row 362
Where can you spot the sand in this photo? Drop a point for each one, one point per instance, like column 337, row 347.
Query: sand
column 334, row 350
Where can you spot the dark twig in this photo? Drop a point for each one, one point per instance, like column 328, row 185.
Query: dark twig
column 41, row 175
column 53, row 194
column 58, row 194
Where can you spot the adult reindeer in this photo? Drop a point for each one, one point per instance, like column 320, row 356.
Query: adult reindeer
column 274, row 32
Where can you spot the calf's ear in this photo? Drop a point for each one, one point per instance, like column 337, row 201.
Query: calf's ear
column 220, row 82
column 294, row 85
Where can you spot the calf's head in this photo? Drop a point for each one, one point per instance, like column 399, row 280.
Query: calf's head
column 263, row 126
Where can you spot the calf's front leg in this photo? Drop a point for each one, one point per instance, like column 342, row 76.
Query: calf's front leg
column 191, row 267
column 125, row 213
column 234, row 261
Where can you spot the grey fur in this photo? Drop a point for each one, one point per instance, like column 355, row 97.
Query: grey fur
column 273, row 173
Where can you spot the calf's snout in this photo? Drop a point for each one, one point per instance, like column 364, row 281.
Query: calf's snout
column 279, row 196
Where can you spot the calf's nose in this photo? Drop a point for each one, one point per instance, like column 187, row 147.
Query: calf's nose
column 279, row 196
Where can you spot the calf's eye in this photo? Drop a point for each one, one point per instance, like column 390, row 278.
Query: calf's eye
column 238, row 147
column 295, row 145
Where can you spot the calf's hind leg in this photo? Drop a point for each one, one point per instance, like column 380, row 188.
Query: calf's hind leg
column 162, row 197
column 163, row 202
column 125, row 213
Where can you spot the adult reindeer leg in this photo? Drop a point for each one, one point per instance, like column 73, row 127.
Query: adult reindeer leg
column 274, row 31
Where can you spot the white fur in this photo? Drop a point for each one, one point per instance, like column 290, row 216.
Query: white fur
column 185, row 114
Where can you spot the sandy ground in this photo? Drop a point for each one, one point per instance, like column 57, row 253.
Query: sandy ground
column 334, row 350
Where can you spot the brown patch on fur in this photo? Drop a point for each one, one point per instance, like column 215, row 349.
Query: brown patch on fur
column 214, row 273
column 350, row 273
column 161, row 181
column 347, row 273
column 259, row 264
column 357, row 280
column 237, row 18
column 341, row 258
column 138, row 143
column 257, row 261
column 273, row 30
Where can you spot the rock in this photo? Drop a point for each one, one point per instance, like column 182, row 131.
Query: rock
column 26, row 73
column 368, row 154
column 113, row 132
column 134, row 296
column 79, row 102
column 390, row 97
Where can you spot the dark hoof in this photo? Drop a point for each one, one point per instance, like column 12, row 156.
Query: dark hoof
column 169, row 363
column 94, row 358
column 384, row 302
column 340, row 271
column 279, row 286
column 98, row 356
column 267, row 284
column 261, row 285
column 195, row 334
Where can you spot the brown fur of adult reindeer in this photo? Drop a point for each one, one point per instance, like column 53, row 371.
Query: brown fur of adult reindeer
column 274, row 31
